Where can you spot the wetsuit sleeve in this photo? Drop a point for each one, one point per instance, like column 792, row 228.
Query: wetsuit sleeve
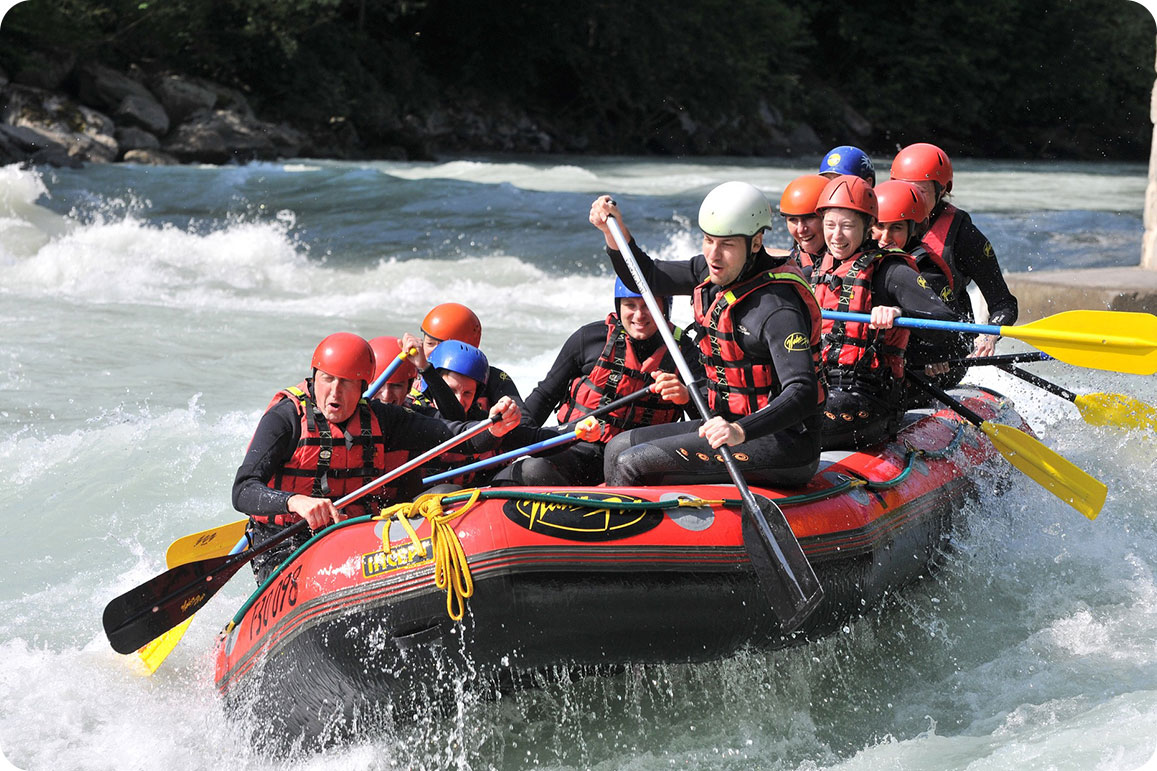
column 896, row 283
column 665, row 277
column 795, row 371
column 273, row 444
column 499, row 384
column 444, row 399
column 976, row 258
column 552, row 390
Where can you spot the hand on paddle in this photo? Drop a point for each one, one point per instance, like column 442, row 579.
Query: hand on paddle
column 884, row 317
column 985, row 346
column 719, row 432
column 668, row 386
column 506, row 416
column 318, row 512
column 603, row 207
column 418, row 357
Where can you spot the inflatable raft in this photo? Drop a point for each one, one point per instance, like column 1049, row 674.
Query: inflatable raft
column 353, row 627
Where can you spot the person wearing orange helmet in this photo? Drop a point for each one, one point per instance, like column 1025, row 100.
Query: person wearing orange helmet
column 320, row 440
column 956, row 253
column 399, row 383
column 759, row 350
column 454, row 321
column 864, row 362
column 797, row 206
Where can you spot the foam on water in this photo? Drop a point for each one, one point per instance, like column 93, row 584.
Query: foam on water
column 149, row 317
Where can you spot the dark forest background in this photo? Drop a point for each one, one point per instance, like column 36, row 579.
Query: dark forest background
column 991, row 78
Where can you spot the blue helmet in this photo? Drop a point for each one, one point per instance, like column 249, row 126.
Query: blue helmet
column 460, row 357
column 846, row 159
column 622, row 291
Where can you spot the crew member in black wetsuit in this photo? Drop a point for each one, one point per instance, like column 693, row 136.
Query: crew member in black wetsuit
column 454, row 321
column 759, row 346
column 797, row 206
column 954, row 253
column 320, row 440
column 865, row 361
column 601, row 362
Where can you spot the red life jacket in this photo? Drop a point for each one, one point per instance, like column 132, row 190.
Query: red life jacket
column 938, row 245
column 618, row 373
column 328, row 463
column 805, row 260
column 851, row 345
column 735, row 382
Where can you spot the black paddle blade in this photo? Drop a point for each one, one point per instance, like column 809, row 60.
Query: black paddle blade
column 781, row 567
column 146, row 612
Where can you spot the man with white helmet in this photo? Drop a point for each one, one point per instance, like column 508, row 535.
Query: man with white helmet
column 759, row 346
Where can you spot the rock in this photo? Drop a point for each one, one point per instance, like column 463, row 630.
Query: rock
column 86, row 133
column 803, row 139
column 222, row 136
column 105, row 88
column 146, row 113
column 181, row 97
column 133, row 138
column 20, row 144
column 47, row 70
column 150, row 158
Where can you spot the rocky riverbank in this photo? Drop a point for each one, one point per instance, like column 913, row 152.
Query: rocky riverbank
column 67, row 114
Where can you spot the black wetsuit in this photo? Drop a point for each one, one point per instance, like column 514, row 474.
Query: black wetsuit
column 782, row 439
column 970, row 256
column 580, row 463
column 275, row 441
column 862, row 410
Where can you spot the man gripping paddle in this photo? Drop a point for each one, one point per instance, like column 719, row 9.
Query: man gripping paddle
column 320, row 440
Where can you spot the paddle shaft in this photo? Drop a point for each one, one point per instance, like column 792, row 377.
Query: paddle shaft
column 381, row 379
column 151, row 609
column 1026, row 357
column 545, row 444
column 793, row 589
column 1039, row 382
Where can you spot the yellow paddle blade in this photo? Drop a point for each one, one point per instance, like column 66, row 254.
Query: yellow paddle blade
column 214, row 542
column 1116, row 410
column 153, row 653
column 1118, row 341
column 1061, row 477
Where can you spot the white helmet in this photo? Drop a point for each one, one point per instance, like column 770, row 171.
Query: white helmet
column 734, row 209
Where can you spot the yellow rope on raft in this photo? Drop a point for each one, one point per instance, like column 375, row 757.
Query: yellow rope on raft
column 451, row 571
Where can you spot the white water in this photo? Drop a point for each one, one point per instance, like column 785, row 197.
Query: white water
column 148, row 315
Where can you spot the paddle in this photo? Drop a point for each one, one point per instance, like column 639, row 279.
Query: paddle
column 1098, row 409
column 1023, row 357
column 1059, row 476
column 207, row 543
column 380, row 380
column 1118, row 341
column 156, row 606
column 781, row 566
column 152, row 654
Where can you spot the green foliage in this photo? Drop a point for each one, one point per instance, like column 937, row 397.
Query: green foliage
column 1063, row 78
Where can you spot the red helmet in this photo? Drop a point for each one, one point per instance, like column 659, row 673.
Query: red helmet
column 386, row 349
column 345, row 355
column 921, row 161
column 452, row 321
column 848, row 192
column 801, row 195
column 901, row 201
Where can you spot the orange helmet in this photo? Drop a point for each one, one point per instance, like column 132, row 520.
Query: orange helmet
column 452, row 321
column 345, row 355
column 801, row 195
column 848, row 192
column 386, row 349
column 921, row 161
column 901, row 201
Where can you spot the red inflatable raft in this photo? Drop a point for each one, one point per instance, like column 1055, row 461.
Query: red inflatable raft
column 353, row 625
